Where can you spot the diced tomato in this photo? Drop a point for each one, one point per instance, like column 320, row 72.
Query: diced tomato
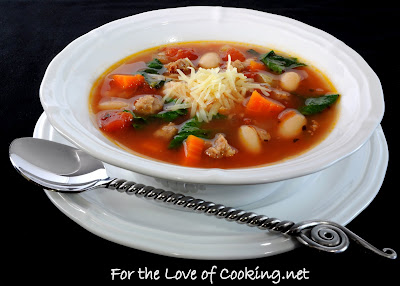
column 235, row 54
column 110, row 121
column 176, row 53
column 250, row 74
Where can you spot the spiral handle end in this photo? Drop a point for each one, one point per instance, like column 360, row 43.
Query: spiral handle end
column 323, row 235
column 332, row 237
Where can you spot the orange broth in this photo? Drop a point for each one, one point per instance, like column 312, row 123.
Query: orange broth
column 141, row 141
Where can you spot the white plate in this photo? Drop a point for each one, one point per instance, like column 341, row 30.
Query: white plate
column 339, row 193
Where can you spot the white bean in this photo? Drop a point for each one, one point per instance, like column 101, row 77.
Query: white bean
column 249, row 138
column 291, row 124
column 209, row 60
column 112, row 104
column 290, row 81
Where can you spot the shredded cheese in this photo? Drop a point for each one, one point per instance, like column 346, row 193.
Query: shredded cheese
column 206, row 91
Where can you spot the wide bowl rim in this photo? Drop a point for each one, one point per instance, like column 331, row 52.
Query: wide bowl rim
column 243, row 176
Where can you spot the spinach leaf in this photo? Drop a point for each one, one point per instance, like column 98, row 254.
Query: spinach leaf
column 220, row 116
column 315, row 105
column 167, row 116
column 169, row 100
column 158, row 84
column 154, row 80
column 170, row 115
column 138, row 121
column 150, row 71
column 278, row 63
column 190, row 127
column 153, row 74
column 253, row 52
column 155, row 64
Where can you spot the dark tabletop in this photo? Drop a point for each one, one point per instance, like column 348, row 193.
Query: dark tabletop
column 40, row 244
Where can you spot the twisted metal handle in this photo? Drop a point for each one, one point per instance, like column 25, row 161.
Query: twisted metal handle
column 322, row 235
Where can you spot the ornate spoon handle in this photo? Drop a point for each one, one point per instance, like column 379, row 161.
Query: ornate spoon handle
column 322, row 235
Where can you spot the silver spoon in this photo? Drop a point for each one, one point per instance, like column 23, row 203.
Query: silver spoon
column 61, row 168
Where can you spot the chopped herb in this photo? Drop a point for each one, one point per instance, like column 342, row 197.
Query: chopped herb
column 105, row 116
column 190, row 127
column 278, row 63
column 315, row 105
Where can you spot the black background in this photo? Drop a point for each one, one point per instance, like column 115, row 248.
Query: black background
column 40, row 244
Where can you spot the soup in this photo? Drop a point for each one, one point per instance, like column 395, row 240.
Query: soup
column 214, row 105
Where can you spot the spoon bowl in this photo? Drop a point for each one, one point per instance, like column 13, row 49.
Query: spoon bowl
column 56, row 166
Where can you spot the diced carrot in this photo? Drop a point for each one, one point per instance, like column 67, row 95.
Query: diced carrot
column 127, row 81
column 235, row 54
column 111, row 121
column 255, row 66
column 193, row 150
column 259, row 105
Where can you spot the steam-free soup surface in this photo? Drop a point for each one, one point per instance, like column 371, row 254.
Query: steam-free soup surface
column 214, row 105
